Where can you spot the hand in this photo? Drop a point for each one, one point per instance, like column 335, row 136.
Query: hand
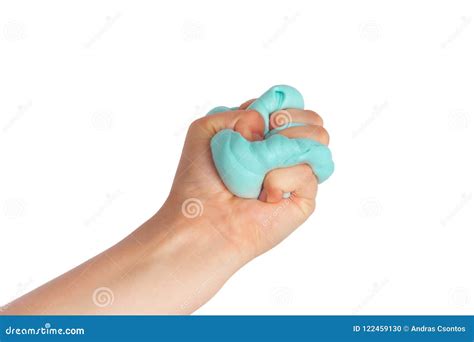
column 180, row 257
column 251, row 226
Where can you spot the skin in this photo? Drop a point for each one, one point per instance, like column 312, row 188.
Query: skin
column 177, row 260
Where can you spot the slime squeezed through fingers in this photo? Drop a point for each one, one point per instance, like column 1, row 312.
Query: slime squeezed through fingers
column 242, row 164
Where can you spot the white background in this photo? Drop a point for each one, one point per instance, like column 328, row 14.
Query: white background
column 96, row 97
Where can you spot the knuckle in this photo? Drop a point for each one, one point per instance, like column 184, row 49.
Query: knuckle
column 316, row 117
column 250, row 114
column 322, row 134
column 198, row 126
column 200, row 123
column 194, row 124
column 307, row 176
column 271, row 177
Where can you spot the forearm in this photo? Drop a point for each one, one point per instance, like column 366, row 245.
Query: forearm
column 165, row 266
column 177, row 261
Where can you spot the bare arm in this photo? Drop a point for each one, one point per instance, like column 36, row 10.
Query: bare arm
column 181, row 257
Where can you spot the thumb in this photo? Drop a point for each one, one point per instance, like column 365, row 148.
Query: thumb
column 248, row 123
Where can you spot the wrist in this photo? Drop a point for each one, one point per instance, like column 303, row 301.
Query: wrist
column 191, row 253
column 207, row 232
column 199, row 236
